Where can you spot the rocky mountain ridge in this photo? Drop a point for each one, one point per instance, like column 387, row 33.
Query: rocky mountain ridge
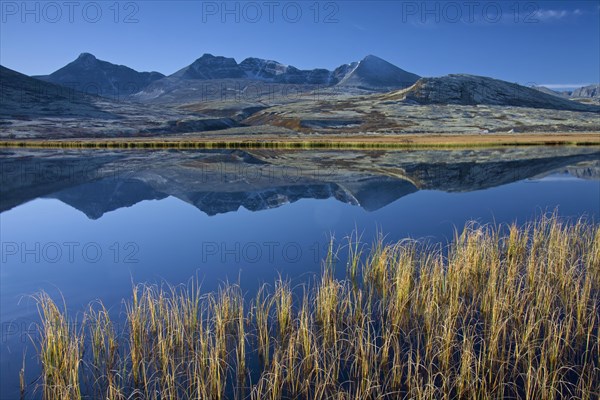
column 371, row 73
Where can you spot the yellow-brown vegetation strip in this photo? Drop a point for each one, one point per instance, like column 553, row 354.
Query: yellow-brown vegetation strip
column 316, row 141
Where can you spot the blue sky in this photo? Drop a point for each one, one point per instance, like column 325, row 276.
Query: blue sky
column 543, row 42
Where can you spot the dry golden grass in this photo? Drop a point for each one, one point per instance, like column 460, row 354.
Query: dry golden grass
column 331, row 141
column 502, row 313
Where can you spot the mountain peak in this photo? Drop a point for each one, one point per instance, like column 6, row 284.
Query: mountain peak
column 373, row 72
column 86, row 60
column 87, row 56
column 371, row 57
column 211, row 67
column 207, row 57
column 258, row 68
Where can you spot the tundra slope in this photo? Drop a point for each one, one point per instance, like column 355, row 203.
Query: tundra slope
column 451, row 104
column 32, row 108
column 474, row 90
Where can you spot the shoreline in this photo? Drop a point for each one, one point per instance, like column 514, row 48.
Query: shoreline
column 404, row 141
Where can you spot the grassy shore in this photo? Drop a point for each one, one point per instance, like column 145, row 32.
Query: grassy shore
column 504, row 313
column 211, row 141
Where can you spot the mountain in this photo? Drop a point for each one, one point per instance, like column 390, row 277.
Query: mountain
column 478, row 90
column 546, row 90
column 373, row 73
column 257, row 68
column 90, row 75
column 340, row 72
column 211, row 67
column 98, row 197
column 23, row 97
column 592, row 91
column 296, row 76
column 215, row 78
column 32, row 108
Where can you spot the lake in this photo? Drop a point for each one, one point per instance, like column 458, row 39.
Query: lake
column 88, row 224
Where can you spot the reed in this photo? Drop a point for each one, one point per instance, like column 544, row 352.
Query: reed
column 60, row 351
column 502, row 312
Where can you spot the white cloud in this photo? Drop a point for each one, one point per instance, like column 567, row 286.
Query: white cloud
column 554, row 15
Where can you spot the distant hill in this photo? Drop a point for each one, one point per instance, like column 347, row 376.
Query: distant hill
column 93, row 76
column 591, row 91
column 546, row 90
column 478, row 90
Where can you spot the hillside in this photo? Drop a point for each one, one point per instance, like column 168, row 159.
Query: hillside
column 478, row 90
column 25, row 97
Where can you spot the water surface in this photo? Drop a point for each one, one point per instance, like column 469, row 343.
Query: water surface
column 86, row 224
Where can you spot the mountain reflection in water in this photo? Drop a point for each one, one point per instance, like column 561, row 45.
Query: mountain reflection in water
column 221, row 181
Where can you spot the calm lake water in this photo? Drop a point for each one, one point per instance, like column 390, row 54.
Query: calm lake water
column 88, row 224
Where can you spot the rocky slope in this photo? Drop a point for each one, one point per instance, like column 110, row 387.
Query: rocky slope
column 476, row 90
column 91, row 75
column 257, row 68
column 273, row 71
column 592, row 91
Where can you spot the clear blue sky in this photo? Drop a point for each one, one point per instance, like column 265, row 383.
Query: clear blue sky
column 543, row 42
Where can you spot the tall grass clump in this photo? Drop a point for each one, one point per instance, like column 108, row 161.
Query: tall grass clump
column 500, row 313
column 60, row 351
